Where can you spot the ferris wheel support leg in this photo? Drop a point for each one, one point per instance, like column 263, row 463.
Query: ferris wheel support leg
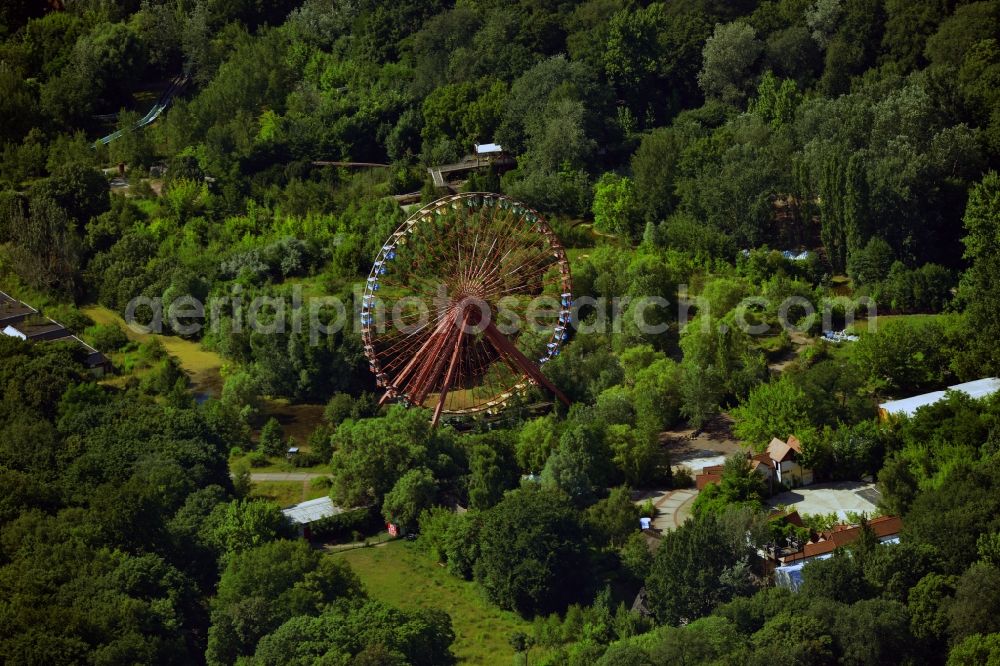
column 505, row 346
column 449, row 376
column 423, row 382
column 394, row 386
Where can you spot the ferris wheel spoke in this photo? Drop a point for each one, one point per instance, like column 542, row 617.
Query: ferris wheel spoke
column 398, row 354
column 409, row 341
column 450, row 374
column 428, row 376
column 505, row 346
column 519, row 290
column 508, row 238
column 530, row 259
column 395, row 383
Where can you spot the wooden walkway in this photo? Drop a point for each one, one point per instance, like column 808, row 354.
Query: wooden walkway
column 438, row 173
column 351, row 165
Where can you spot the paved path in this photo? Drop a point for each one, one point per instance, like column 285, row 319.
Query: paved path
column 285, row 476
column 672, row 507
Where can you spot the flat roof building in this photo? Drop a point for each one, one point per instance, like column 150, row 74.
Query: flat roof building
column 979, row 388
column 19, row 320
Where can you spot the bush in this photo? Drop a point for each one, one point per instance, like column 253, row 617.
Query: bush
column 257, row 459
column 354, row 524
column 682, row 478
column 106, row 337
column 320, row 482
column 69, row 317
column 151, row 352
column 305, row 459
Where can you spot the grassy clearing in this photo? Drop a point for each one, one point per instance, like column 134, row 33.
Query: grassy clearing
column 203, row 366
column 276, row 465
column 873, row 325
column 841, row 285
column 296, row 421
column 313, row 286
column 286, row 493
column 399, row 574
column 574, row 254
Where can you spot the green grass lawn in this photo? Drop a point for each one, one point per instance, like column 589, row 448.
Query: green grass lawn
column 287, row 493
column 401, row 575
column 865, row 326
column 280, row 464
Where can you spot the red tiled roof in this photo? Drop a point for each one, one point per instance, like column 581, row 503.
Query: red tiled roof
column 793, row 517
column 703, row 480
column 843, row 535
column 886, row 526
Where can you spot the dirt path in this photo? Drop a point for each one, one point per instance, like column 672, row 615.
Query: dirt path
column 696, row 449
column 799, row 342
column 286, row 476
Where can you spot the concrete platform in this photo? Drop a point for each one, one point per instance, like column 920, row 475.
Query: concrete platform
column 701, row 460
column 824, row 498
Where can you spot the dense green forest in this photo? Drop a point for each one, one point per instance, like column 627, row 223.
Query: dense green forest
column 685, row 150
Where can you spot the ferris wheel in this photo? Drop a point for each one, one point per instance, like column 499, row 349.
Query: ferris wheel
column 464, row 301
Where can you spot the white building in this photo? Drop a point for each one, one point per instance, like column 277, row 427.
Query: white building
column 980, row 388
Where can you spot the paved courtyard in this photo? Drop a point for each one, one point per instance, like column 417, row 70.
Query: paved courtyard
column 824, row 498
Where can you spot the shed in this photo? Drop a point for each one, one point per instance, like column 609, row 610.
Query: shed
column 488, row 149
column 304, row 514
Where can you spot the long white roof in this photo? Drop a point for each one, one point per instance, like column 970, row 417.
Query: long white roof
column 311, row 511
column 976, row 389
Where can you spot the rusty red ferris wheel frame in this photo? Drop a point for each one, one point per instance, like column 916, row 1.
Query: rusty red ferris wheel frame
column 437, row 290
